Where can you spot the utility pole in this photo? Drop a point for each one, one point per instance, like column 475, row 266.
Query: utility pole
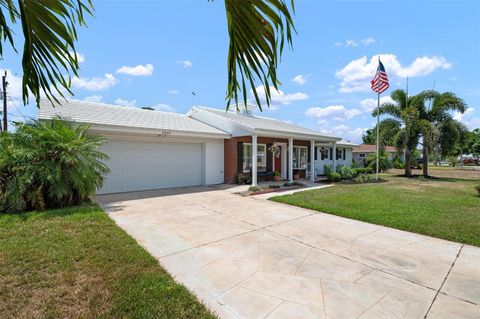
column 4, row 97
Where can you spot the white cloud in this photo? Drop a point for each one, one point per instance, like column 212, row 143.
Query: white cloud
column 300, row 79
column 138, row 70
column 163, row 107
column 14, row 88
column 368, row 105
column 468, row 118
column 356, row 75
column 94, row 98
column 277, row 97
column 95, row 83
column 185, row 63
column 367, row 41
column 173, row 92
column 333, row 112
column 353, row 134
column 128, row 103
column 355, row 43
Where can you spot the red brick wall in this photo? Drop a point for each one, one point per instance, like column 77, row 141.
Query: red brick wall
column 230, row 152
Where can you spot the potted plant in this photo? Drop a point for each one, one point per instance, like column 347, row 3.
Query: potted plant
column 296, row 174
column 276, row 176
column 240, row 179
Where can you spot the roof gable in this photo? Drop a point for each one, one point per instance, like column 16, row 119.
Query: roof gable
column 254, row 123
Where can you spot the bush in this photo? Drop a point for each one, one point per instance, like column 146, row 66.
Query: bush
column 254, row 189
column 397, row 163
column 276, row 173
column 274, row 186
column 239, row 179
column 334, row 177
column 327, row 169
column 347, row 172
column 49, row 165
column 478, row 190
column 384, row 163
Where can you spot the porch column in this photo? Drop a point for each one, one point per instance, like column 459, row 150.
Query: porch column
column 334, row 155
column 254, row 160
column 290, row 159
column 312, row 160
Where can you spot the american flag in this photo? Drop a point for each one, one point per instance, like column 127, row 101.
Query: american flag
column 380, row 81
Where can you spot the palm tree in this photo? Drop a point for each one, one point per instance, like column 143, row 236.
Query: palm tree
column 403, row 110
column 437, row 114
column 258, row 30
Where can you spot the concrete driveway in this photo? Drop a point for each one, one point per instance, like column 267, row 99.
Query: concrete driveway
column 252, row 258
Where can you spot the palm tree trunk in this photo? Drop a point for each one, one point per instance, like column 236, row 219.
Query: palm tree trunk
column 408, row 170
column 425, row 157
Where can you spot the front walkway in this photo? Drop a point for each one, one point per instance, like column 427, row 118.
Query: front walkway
column 247, row 257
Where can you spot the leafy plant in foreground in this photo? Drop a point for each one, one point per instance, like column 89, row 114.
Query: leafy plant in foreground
column 48, row 165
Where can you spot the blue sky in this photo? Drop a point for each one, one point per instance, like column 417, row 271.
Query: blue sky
column 155, row 53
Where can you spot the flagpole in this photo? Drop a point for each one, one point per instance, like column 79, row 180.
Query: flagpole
column 378, row 133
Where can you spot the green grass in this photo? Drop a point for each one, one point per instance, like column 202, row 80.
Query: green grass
column 447, row 208
column 76, row 263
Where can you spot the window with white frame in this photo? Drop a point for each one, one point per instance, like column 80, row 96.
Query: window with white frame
column 261, row 157
column 300, row 157
column 339, row 153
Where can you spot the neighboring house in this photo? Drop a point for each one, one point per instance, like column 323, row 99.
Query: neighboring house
column 361, row 152
column 154, row 150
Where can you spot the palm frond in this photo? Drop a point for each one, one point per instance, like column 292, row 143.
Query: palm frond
column 258, row 30
column 49, row 55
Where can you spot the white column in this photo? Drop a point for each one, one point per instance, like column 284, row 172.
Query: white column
column 312, row 160
column 334, row 155
column 290, row 159
column 254, row 160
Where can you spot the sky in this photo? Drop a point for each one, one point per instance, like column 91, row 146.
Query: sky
column 156, row 53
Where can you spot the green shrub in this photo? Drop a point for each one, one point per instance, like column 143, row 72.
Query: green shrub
column 327, row 169
column 239, row 179
column 297, row 184
column 49, row 165
column 334, row 177
column 397, row 163
column 254, row 189
column 478, row 190
column 384, row 163
column 276, row 173
column 274, row 186
column 347, row 172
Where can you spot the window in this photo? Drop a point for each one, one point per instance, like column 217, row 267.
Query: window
column 339, row 153
column 323, row 153
column 316, row 152
column 361, row 155
column 344, row 153
column 299, row 157
column 261, row 157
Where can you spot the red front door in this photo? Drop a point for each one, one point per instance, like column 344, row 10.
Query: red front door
column 278, row 161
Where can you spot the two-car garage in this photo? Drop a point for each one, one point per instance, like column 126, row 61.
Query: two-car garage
column 149, row 149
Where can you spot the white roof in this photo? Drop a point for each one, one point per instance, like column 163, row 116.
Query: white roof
column 264, row 123
column 346, row 143
column 112, row 115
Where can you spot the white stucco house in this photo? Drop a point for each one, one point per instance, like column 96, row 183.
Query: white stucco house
column 153, row 150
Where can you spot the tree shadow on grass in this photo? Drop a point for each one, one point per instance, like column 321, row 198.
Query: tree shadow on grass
column 422, row 178
column 83, row 209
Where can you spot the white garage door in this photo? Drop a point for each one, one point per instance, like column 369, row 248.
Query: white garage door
column 139, row 165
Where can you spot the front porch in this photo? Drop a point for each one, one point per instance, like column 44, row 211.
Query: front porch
column 291, row 158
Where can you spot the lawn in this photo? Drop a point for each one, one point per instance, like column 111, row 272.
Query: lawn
column 446, row 207
column 76, row 263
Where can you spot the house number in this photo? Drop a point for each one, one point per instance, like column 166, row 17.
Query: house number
column 164, row 133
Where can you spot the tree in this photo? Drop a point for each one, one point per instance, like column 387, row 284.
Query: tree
column 64, row 168
column 258, row 31
column 403, row 110
column 435, row 119
column 389, row 129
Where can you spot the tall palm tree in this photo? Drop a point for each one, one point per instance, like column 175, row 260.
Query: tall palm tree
column 403, row 110
column 258, row 30
column 434, row 110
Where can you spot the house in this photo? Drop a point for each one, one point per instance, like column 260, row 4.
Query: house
column 361, row 152
column 153, row 150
